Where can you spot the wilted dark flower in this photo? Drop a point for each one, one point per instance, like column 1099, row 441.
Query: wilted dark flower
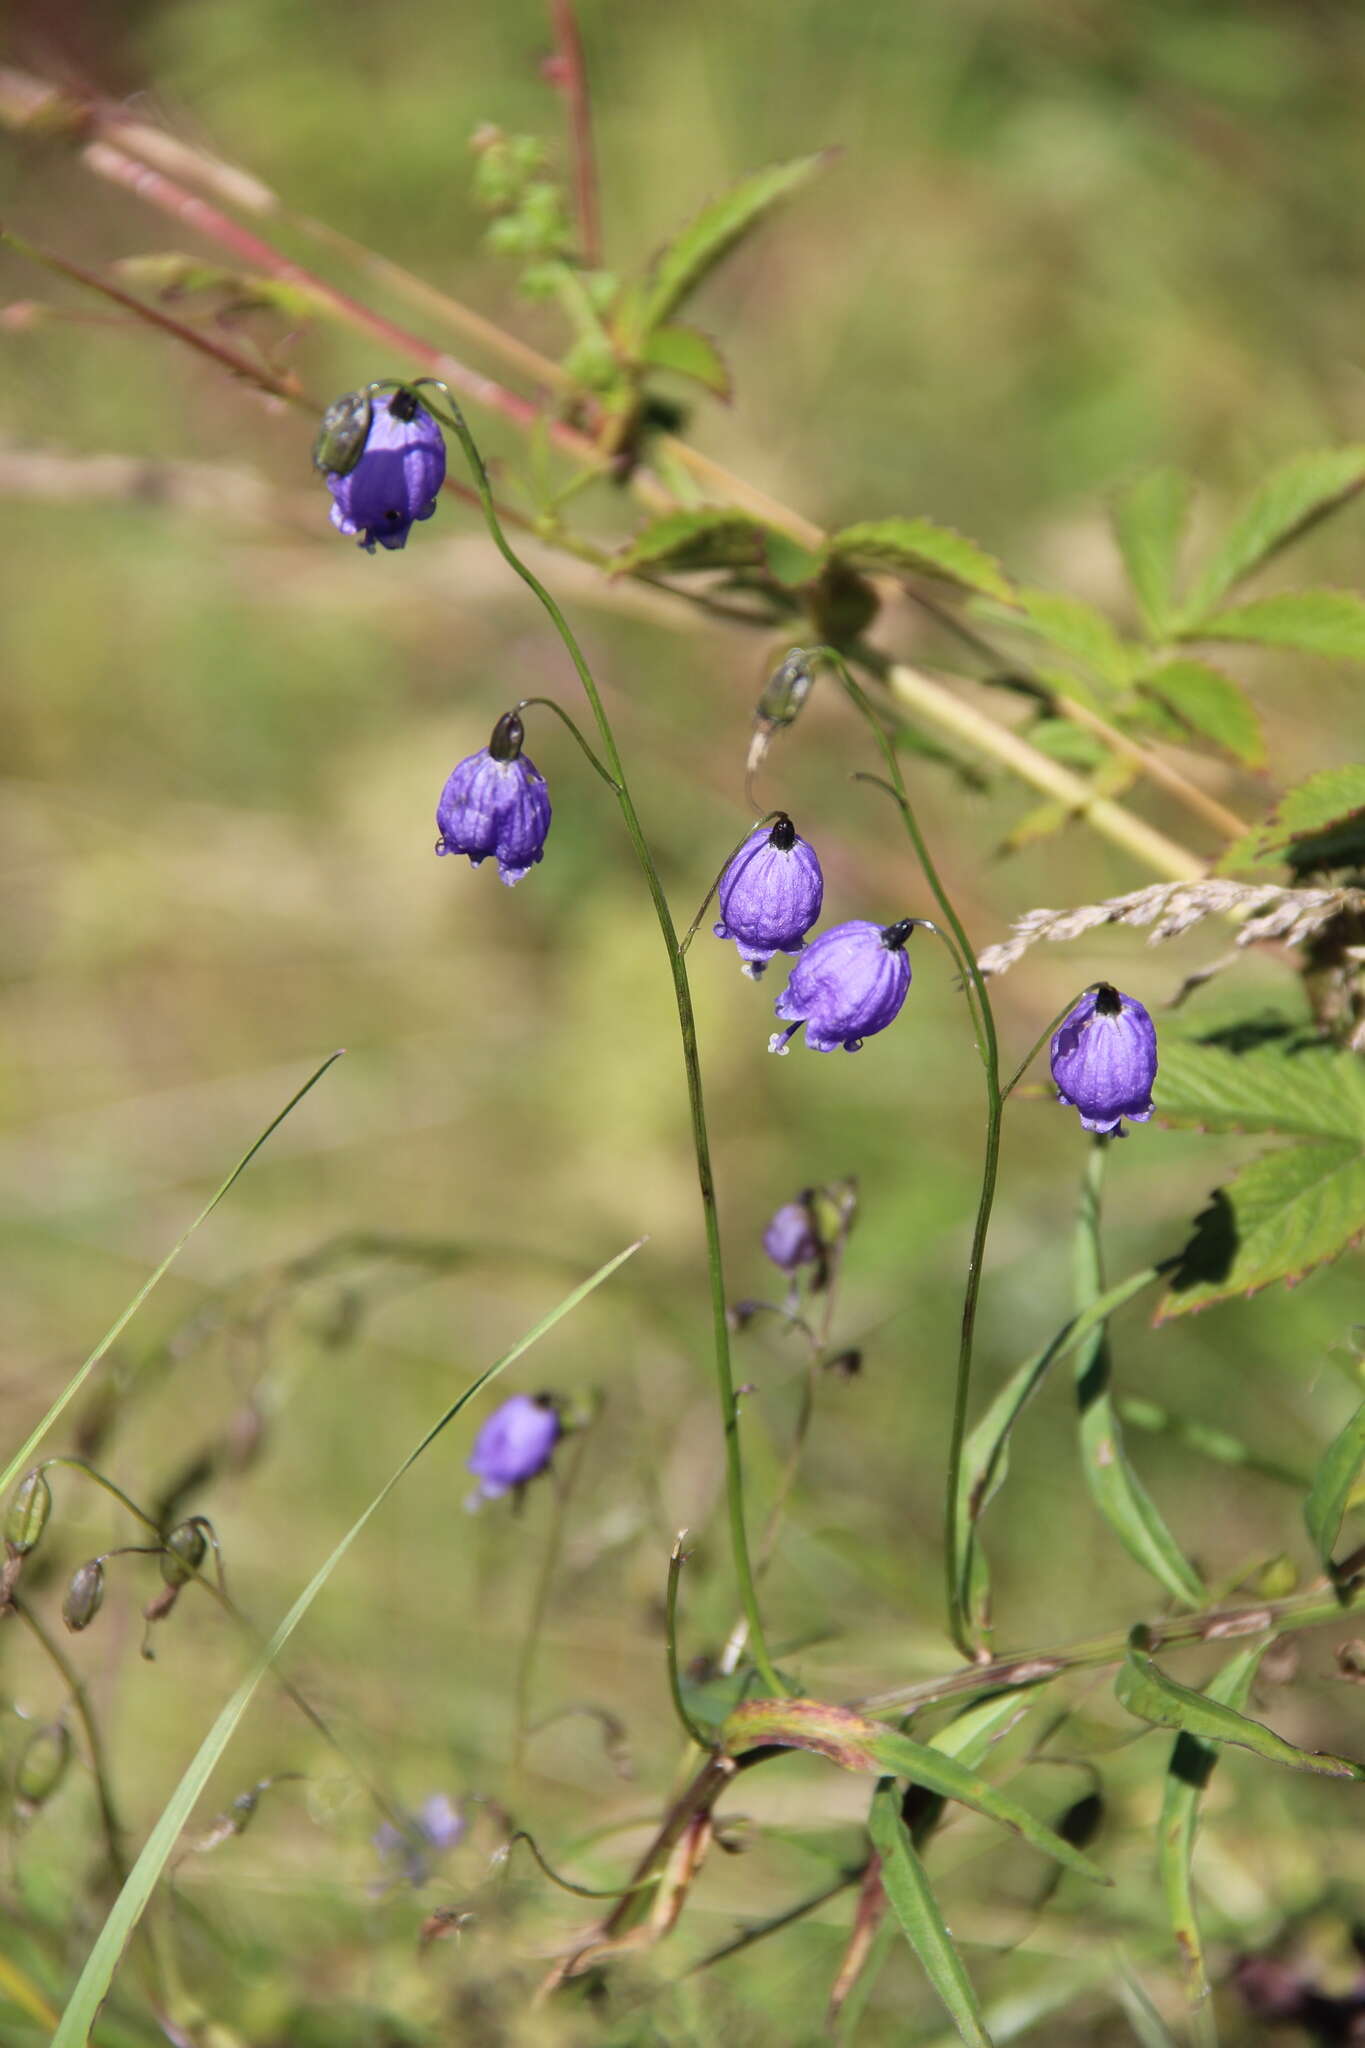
column 770, row 895
column 1104, row 1060
column 515, row 1444
column 791, row 1239
column 847, row 984
column 496, row 802
column 438, row 1825
column 395, row 478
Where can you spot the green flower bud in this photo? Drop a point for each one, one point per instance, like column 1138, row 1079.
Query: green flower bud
column 342, row 436
column 786, row 690
column 184, row 1553
column 84, row 1596
column 43, row 1763
column 30, row 1505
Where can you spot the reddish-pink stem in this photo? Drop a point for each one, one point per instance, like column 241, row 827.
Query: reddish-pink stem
column 569, row 73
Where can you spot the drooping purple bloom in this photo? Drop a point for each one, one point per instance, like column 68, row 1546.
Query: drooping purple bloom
column 1104, row 1060
column 496, row 802
column 770, row 895
column 515, row 1444
column 438, row 1826
column 395, row 478
column 791, row 1238
column 848, row 983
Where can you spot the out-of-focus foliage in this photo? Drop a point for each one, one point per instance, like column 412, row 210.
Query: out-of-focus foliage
column 1082, row 285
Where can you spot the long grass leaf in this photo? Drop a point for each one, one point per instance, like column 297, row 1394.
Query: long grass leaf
column 21, row 1457
column 913, row 1903
column 94, row 1981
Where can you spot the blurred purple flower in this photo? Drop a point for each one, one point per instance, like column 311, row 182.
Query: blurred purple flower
column 847, row 984
column 1104, row 1060
column 436, row 1827
column 496, row 802
column 396, row 477
column 770, row 895
column 791, row 1239
column 515, row 1444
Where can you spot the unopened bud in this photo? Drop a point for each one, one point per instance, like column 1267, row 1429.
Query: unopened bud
column 43, row 1763
column 30, row 1505
column 343, row 433
column 184, row 1553
column 834, row 1209
column 84, row 1596
column 786, row 690
column 845, row 1365
column 508, row 736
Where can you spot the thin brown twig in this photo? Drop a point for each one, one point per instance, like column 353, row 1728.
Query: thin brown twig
column 568, row 73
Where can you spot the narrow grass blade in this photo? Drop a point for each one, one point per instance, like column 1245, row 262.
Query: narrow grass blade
column 1330, row 1493
column 985, row 1457
column 94, row 1981
column 1114, row 1486
column 1148, row 1693
column 913, row 1903
column 19, row 1462
column 1187, row 1774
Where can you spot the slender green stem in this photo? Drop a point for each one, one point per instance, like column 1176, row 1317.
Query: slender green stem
column 677, row 1558
column 1040, row 1041
column 110, row 1825
column 734, row 1468
column 707, row 899
column 560, row 713
column 989, row 1050
column 540, row 1602
column 80, row 1465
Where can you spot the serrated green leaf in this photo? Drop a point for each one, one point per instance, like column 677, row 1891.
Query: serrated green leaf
column 1148, row 1694
column 1113, row 1484
column 855, row 1743
column 1079, row 630
column 912, row 1901
column 1296, row 1090
column 1149, row 524
column 712, row 537
column 92, row 1986
column 1276, row 1220
column 1291, row 499
column 1325, row 811
column 687, row 352
column 1333, row 1482
column 681, row 264
column 1211, row 704
column 1187, row 1774
column 918, row 547
column 790, row 562
column 1330, row 622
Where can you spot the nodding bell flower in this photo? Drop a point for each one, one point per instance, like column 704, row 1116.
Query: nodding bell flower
column 496, row 802
column 791, row 1239
column 515, row 1444
column 847, row 984
column 384, row 459
column 437, row 1826
column 770, row 895
column 1104, row 1060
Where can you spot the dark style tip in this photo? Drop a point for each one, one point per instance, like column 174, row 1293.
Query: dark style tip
column 894, row 936
column 1108, row 1001
column 783, row 834
column 404, row 404
column 508, row 735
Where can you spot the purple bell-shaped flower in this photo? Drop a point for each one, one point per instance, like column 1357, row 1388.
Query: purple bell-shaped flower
column 848, row 983
column 791, row 1239
column 496, row 802
column 770, row 895
column 1104, row 1060
column 395, row 478
column 515, row 1444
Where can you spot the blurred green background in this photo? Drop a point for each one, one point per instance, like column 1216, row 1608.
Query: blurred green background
column 1063, row 244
